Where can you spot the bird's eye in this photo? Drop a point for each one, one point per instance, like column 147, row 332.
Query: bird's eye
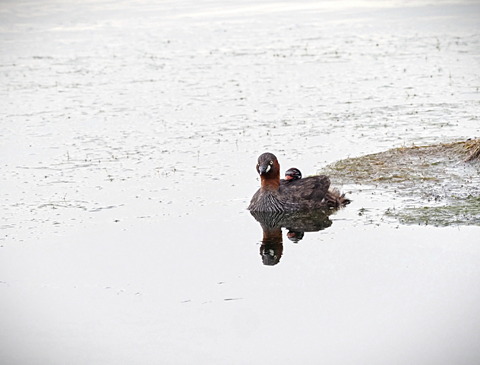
column 271, row 162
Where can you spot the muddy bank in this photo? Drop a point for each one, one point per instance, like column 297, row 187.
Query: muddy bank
column 437, row 184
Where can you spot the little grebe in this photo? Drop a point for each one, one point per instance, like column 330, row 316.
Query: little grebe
column 305, row 194
column 293, row 174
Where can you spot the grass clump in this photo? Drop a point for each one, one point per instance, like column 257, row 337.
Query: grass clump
column 440, row 183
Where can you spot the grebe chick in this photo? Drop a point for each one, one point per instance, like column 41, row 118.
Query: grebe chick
column 293, row 174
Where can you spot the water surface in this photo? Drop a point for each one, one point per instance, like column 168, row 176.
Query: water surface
column 128, row 142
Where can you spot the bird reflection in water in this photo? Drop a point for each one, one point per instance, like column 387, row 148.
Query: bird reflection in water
column 297, row 224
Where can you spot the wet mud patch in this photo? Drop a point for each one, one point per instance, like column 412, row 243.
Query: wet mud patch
column 437, row 184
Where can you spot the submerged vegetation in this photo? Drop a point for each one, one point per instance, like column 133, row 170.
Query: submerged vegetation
column 438, row 184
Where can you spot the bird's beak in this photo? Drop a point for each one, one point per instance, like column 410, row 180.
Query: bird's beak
column 263, row 169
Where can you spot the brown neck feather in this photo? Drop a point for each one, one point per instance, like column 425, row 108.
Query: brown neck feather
column 270, row 183
column 271, row 180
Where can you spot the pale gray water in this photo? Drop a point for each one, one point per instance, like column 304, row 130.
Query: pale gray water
column 128, row 139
